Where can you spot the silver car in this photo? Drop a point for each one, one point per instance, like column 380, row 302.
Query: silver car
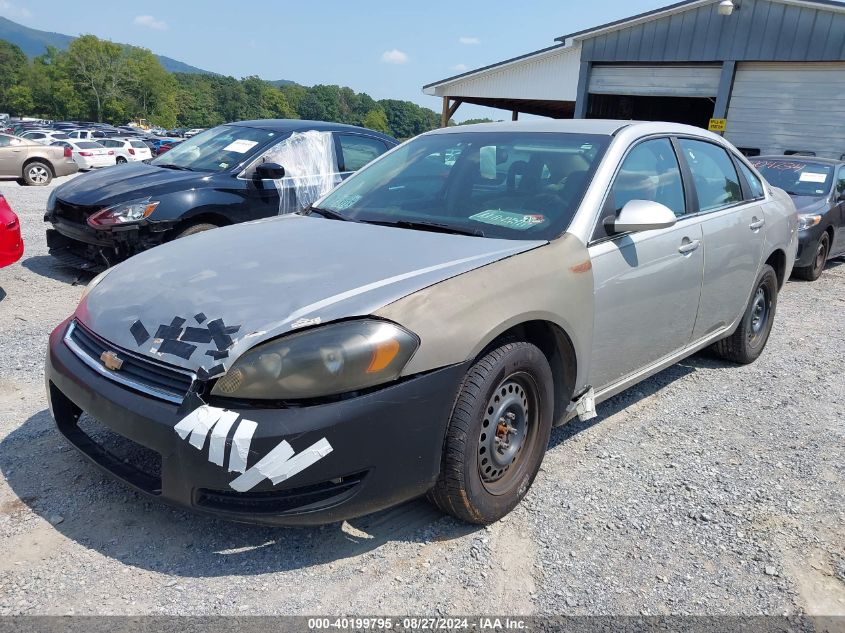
column 423, row 326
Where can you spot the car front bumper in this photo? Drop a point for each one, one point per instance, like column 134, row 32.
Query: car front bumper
column 385, row 445
column 808, row 241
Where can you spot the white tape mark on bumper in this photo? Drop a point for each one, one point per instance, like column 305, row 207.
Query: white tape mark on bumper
column 198, row 423
column 217, row 447
column 240, row 446
column 278, row 465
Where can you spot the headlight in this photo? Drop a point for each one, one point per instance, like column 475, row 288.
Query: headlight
column 328, row 360
column 123, row 213
column 807, row 221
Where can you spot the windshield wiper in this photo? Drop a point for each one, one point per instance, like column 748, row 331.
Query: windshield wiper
column 172, row 166
column 433, row 226
column 327, row 213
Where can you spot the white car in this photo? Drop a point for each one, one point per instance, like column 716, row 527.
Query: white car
column 89, row 154
column 194, row 132
column 44, row 137
column 87, row 134
column 127, row 150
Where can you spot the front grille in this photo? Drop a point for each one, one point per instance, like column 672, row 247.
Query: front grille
column 316, row 496
column 155, row 379
column 78, row 214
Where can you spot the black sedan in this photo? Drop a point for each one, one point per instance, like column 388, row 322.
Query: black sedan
column 229, row 174
column 817, row 187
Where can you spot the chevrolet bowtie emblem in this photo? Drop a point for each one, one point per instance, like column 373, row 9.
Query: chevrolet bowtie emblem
column 111, row 360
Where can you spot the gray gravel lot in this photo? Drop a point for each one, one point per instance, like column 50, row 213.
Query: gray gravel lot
column 708, row 489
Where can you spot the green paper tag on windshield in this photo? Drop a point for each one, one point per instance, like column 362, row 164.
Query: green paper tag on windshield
column 509, row 219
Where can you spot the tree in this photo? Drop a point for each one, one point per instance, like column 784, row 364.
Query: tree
column 99, row 69
column 19, row 100
column 13, row 63
column 151, row 90
column 53, row 92
column 376, row 120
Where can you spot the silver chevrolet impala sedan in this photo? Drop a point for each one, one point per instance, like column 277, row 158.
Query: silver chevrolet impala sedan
column 422, row 327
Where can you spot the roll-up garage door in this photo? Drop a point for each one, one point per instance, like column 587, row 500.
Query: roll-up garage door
column 788, row 107
column 656, row 81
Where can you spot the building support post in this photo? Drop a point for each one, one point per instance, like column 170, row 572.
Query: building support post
column 582, row 99
column 448, row 111
column 726, row 86
column 514, row 115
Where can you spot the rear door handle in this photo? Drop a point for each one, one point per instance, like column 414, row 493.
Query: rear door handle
column 756, row 224
column 688, row 247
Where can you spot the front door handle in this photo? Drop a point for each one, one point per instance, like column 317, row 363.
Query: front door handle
column 688, row 247
column 756, row 224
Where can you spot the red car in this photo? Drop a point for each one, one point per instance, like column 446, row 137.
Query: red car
column 11, row 242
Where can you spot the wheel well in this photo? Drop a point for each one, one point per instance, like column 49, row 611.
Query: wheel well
column 777, row 260
column 200, row 218
column 43, row 161
column 558, row 350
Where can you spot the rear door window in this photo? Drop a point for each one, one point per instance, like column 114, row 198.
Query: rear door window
column 138, row 144
column 356, row 151
column 754, row 183
column 716, row 181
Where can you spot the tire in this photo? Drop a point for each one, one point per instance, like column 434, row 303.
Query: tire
column 746, row 344
column 195, row 228
column 120, row 160
column 814, row 270
column 482, row 478
column 37, row 174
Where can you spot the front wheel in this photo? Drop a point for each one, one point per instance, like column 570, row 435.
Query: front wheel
column 37, row 174
column 497, row 435
column 746, row 344
column 194, row 229
column 814, row 270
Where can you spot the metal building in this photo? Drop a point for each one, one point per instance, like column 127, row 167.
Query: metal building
column 769, row 73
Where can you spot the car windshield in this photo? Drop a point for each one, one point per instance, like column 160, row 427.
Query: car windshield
column 218, row 149
column 513, row 185
column 796, row 177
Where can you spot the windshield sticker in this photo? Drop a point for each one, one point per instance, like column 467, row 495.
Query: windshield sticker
column 509, row 219
column 809, row 176
column 240, row 146
column 347, row 202
column 780, row 165
column 223, row 165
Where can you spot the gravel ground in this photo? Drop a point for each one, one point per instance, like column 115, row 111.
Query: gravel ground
column 708, row 489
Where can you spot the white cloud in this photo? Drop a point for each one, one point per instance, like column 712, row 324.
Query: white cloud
column 12, row 10
column 469, row 40
column 459, row 67
column 394, row 56
column 149, row 21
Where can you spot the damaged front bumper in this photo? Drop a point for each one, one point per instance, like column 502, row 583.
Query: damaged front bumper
column 79, row 245
column 330, row 461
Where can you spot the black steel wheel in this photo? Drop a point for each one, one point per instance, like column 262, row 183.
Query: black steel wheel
column 814, row 270
column 497, row 435
column 751, row 335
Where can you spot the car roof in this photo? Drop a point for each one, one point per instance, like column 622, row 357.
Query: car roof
column 300, row 125
column 803, row 159
column 608, row 127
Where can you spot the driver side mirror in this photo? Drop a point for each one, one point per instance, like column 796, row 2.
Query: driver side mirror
column 643, row 215
column 268, row 171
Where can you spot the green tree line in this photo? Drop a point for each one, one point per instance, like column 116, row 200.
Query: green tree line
column 98, row 80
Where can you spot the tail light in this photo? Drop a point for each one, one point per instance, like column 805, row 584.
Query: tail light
column 111, row 153
column 68, row 152
column 85, row 154
column 132, row 151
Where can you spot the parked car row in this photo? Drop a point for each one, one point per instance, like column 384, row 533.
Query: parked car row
column 416, row 329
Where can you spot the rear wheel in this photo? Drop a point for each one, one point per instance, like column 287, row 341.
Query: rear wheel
column 195, row 228
column 746, row 344
column 37, row 174
column 497, row 435
column 814, row 270
column 120, row 160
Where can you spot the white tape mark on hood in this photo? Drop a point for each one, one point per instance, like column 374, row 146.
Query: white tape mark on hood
column 278, row 465
column 240, row 446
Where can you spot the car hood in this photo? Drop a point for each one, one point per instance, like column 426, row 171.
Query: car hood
column 126, row 182
column 809, row 204
column 261, row 279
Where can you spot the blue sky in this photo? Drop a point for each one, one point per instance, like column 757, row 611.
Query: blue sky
column 385, row 48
